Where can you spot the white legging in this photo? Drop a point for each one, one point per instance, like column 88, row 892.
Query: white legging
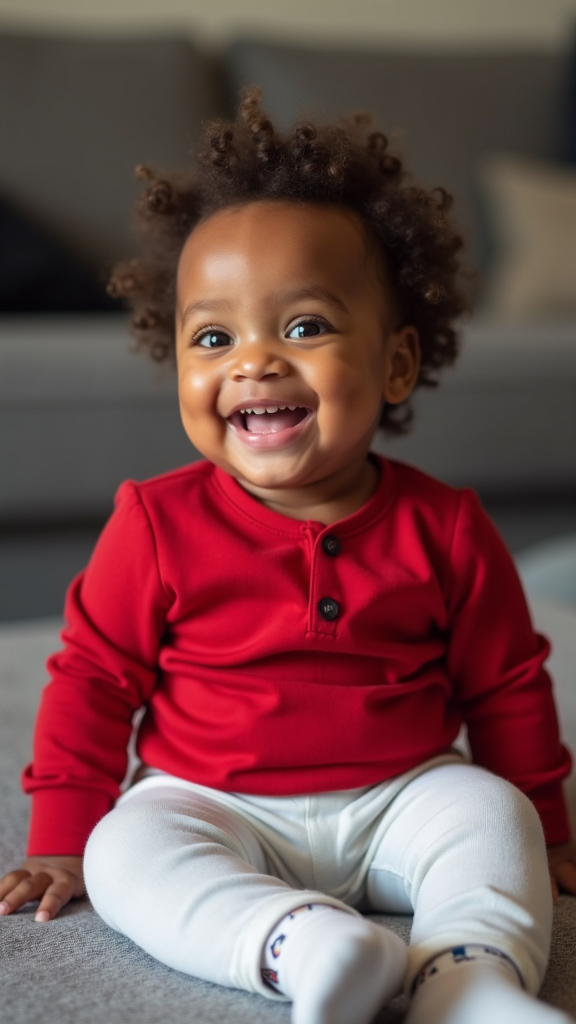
column 198, row 878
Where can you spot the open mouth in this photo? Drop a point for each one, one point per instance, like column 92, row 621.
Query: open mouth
column 271, row 427
column 270, row 420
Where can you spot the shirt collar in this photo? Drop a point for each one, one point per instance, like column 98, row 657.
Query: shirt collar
column 377, row 505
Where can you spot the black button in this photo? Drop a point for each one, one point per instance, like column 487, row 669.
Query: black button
column 331, row 544
column 328, row 608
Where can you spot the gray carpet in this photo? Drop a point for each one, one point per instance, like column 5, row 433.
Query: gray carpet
column 75, row 970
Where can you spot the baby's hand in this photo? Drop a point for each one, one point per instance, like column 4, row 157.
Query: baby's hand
column 562, row 865
column 53, row 880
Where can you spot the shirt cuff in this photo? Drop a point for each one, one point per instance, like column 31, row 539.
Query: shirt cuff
column 62, row 819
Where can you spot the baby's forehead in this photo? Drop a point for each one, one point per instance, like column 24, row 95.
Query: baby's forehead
column 270, row 234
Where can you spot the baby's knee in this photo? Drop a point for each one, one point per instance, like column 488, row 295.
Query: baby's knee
column 472, row 799
column 103, row 867
column 481, row 819
column 118, row 834
column 498, row 808
column 123, row 851
column 147, row 836
column 113, row 846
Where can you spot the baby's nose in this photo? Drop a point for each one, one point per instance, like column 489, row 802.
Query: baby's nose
column 258, row 358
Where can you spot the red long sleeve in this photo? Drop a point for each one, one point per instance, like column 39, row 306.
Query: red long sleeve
column 495, row 660
column 205, row 606
column 107, row 670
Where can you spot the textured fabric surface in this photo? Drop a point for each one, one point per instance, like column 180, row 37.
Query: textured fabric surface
column 75, row 970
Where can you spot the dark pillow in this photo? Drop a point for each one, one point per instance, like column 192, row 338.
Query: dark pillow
column 38, row 274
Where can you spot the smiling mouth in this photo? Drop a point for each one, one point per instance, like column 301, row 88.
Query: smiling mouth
column 271, row 420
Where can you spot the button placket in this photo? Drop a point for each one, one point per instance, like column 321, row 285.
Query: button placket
column 325, row 608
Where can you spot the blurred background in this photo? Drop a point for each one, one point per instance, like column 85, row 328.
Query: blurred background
column 479, row 98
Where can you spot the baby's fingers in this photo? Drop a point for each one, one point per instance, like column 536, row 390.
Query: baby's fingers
column 53, row 894
column 7, row 884
column 53, row 900
column 8, row 881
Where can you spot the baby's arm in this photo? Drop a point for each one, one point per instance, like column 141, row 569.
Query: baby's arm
column 53, row 880
column 496, row 661
column 106, row 671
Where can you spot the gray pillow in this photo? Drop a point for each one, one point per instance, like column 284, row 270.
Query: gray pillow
column 76, row 116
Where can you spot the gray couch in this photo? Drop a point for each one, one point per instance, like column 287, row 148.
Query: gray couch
column 78, row 413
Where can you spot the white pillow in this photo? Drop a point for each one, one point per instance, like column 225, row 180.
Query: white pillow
column 532, row 205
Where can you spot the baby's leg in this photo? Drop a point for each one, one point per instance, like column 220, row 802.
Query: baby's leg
column 187, row 880
column 465, row 849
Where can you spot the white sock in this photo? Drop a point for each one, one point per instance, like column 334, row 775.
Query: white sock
column 335, row 967
column 476, row 985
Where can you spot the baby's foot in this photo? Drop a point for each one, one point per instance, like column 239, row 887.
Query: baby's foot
column 477, row 993
column 337, row 968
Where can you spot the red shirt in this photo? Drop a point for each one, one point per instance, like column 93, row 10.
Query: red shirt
column 209, row 608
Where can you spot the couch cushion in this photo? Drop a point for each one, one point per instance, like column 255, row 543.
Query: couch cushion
column 449, row 106
column 79, row 413
column 504, row 418
column 77, row 115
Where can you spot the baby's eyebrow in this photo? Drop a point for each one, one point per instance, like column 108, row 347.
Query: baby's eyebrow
column 206, row 306
column 312, row 292
column 274, row 299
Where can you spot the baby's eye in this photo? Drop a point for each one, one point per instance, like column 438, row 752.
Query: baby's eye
column 212, row 339
column 307, row 329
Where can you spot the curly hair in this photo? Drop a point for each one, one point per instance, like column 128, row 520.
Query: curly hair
column 345, row 163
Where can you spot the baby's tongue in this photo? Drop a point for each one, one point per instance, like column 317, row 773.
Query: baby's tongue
column 272, row 422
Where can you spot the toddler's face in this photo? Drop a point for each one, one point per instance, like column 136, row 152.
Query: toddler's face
column 281, row 308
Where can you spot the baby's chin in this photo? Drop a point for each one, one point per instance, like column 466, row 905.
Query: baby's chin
column 265, row 474
column 266, row 483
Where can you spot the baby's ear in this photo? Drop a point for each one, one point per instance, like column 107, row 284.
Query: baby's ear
column 402, row 364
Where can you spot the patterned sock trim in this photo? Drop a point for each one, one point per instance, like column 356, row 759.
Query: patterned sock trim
column 273, row 948
column 460, row 955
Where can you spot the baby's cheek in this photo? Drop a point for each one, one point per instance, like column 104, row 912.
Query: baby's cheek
column 352, row 394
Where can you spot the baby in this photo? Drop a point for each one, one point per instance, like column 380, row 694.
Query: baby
column 306, row 624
